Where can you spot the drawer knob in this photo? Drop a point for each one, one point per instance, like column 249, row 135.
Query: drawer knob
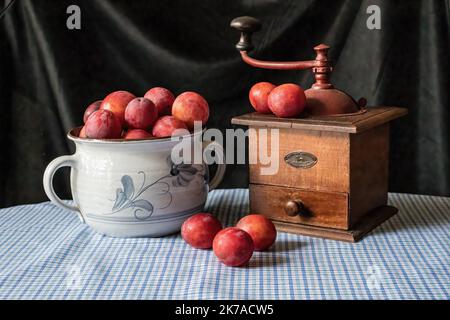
column 293, row 208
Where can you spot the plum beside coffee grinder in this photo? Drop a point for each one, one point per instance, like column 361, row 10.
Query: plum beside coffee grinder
column 332, row 180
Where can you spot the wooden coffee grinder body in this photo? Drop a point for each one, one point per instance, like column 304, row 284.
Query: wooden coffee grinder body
column 333, row 172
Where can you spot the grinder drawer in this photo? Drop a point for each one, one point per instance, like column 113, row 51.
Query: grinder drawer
column 324, row 209
column 311, row 160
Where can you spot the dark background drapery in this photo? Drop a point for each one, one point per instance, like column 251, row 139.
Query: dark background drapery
column 49, row 74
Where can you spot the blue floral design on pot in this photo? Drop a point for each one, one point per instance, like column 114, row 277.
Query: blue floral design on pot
column 128, row 197
column 184, row 173
column 180, row 175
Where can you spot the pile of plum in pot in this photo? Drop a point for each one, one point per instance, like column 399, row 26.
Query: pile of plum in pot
column 124, row 180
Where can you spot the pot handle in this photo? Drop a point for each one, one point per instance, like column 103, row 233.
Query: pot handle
column 64, row 161
column 221, row 165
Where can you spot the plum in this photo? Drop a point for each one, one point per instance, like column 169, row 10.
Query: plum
column 258, row 96
column 261, row 229
column 137, row 134
column 189, row 107
column 103, row 124
column 166, row 125
column 140, row 113
column 200, row 229
column 117, row 102
column 162, row 98
column 82, row 133
column 94, row 106
column 233, row 246
column 287, row 100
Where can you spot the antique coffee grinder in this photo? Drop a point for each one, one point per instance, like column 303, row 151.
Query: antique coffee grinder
column 332, row 180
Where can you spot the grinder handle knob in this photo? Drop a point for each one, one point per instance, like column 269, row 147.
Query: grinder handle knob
column 246, row 25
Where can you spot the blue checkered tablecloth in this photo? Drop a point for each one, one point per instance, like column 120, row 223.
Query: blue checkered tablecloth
column 46, row 253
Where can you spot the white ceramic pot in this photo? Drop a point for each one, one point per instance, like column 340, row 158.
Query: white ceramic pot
column 131, row 188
